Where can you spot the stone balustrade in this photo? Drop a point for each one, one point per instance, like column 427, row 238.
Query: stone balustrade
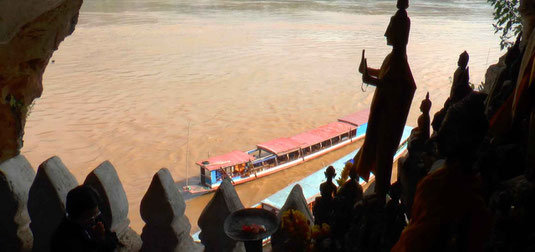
column 33, row 205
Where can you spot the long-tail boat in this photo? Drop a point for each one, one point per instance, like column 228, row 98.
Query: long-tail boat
column 279, row 154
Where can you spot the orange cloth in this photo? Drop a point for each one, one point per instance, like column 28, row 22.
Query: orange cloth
column 520, row 99
column 522, row 95
column 445, row 197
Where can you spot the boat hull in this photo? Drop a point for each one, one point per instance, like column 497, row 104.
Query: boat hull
column 199, row 189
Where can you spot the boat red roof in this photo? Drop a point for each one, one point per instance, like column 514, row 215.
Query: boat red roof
column 282, row 146
column 323, row 133
column 356, row 118
column 226, row 160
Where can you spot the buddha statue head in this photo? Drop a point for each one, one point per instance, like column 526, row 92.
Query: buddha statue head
column 463, row 60
column 397, row 32
column 402, row 4
column 330, row 172
column 425, row 106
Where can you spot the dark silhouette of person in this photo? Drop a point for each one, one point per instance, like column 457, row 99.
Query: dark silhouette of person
column 82, row 228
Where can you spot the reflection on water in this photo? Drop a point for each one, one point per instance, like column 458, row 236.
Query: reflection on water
column 126, row 84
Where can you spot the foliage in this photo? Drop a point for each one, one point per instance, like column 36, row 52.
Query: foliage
column 29, row 109
column 507, row 20
column 19, row 107
column 13, row 102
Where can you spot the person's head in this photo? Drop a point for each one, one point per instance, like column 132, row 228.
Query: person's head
column 82, row 205
column 463, row 60
column 330, row 172
column 397, row 32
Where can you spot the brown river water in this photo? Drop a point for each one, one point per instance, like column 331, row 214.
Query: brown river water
column 135, row 73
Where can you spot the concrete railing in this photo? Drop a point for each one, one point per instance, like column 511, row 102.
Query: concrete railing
column 33, row 206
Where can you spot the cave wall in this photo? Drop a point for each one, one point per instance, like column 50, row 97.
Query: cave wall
column 30, row 32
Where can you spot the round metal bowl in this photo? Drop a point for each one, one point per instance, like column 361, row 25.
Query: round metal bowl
column 248, row 216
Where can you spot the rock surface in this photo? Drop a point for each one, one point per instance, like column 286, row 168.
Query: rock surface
column 30, row 31
column 46, row 200
column 162, row 209
column 491, row 76
column 16, row 176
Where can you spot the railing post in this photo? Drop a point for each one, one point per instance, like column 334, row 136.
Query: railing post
column 212, row 218
column 113, row 205
column 16, row 176
column 46, row 200
column 162, row 208
column 296, row 201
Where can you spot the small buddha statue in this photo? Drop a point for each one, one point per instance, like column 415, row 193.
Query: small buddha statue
column 323, row 206
column 420, row 134
column 424, row 119
column 460, row 87
column 328, row 188
column 349, row 194
column 351, row 191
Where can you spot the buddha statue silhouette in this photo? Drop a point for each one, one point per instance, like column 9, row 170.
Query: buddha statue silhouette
column 390, row 106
